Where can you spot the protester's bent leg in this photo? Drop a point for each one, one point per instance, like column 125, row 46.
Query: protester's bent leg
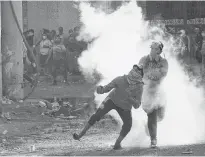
column 152, row 125
column 126, row 117
column 101, row 111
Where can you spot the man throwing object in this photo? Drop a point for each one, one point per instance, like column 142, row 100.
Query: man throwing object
column 127, row 92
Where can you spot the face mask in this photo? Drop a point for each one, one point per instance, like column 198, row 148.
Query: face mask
column 44, row 37
column 134, row 76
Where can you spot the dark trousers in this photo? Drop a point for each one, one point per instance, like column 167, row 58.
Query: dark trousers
column 42, row 63
column 107, row 106
column 42, row 60
column 198, row 55
column 56, row 66
column 153, row 117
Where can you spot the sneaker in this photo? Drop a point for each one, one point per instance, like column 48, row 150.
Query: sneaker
column 76, row 137
column 117, row 147
column 153, row 143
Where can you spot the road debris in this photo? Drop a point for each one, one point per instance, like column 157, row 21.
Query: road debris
column 59, row 129
column 4, row 140
column 6, row 101
column 20, row 101
column 6, row 116
column 42, row 104
column 55, row 105
column 47, row 131
column 32, row 148
column 67, row 103
column 5, row 132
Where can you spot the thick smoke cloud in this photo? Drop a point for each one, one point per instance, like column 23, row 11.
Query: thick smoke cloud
column 120, row 40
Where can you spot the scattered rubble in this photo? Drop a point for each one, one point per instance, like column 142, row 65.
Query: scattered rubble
column 61, row 109
column 42, row 104
column 55, row 105
column 6, row 101
column 20, row 101
column 64, row 109
column 5, row 132
column 3, row 140
column 6, row 116
column 32, row 148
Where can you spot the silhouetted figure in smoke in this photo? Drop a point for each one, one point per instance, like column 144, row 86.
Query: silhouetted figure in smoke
column 184, row 44
column 198, row 44
column 203, row 59
column 127, row 92
column 153, row 101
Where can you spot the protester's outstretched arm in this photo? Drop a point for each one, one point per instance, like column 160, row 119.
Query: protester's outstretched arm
column 107, row 88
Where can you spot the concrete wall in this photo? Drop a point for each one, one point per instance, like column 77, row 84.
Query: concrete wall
column 51, row 15
column 12, row 42
column 0, row 59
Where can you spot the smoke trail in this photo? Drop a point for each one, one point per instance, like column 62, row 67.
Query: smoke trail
column 121, row 39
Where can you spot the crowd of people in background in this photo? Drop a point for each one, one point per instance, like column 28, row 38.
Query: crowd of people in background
column 56, row 52
column 191, row 44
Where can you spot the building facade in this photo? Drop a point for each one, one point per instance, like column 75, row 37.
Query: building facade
column 192, row 12
column 49, row 15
